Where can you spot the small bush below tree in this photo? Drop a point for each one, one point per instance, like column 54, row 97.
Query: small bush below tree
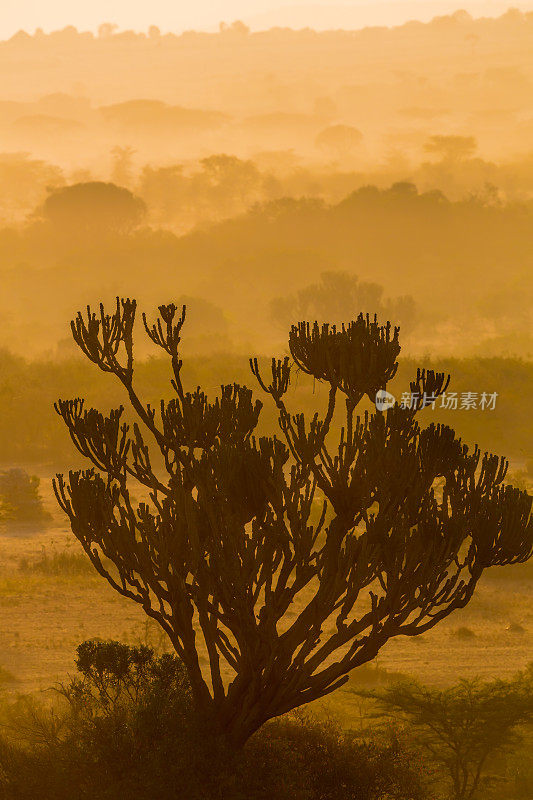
column 126, row 727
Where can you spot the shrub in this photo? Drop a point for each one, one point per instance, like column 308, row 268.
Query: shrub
column 127, row 728
column 464, row 633
column 19, row 498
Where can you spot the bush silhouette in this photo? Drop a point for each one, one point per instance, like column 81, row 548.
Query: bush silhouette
column 284, row 564
column 129, row 728
column 19, row 497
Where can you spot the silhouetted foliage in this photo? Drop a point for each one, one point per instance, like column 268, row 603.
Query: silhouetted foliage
column 93, row 208
column 128, row 728
column 463, row 727
column 239, row 533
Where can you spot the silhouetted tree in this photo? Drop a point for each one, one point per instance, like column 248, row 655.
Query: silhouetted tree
column 122, row 171
column 294, row 561
column 339, row 296
column 339, row 140
column 106, row 30
column 93, row 208
column 452, row 148
column 462, row 727
column 228, row 179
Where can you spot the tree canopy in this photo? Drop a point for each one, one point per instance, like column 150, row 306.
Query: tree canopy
column 463, row 726
column 93, row 208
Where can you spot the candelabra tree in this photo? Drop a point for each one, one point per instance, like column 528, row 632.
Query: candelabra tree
column 276, row 565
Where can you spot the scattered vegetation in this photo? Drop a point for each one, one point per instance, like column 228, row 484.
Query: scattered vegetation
column 29, row 431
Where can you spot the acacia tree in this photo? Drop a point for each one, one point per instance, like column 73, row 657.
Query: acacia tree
column 284, row 562
column 463, row 726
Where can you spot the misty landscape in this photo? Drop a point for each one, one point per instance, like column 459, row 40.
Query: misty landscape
column 266, row 419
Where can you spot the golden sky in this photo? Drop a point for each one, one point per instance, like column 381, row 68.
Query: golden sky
column 177, row 15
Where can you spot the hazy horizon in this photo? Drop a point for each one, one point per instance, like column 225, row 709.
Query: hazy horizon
column 257, row 14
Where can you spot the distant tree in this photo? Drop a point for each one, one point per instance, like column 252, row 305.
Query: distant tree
column 20, row 500
column 122, row 172
column 338, row 297
column 208, row 325
column 24, row 180
column 93, row 208
column 462, row 727
column 402, row 189
column 239, row 28
column 452, row 148
column 224, row 185
column 340, row 141
column 231, row 177
column 236, row 28
column 166, row 191
column 404, row 309
column 292, row 562
column 106, row 30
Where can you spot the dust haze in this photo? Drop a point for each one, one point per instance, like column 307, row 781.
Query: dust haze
column 301, row 163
